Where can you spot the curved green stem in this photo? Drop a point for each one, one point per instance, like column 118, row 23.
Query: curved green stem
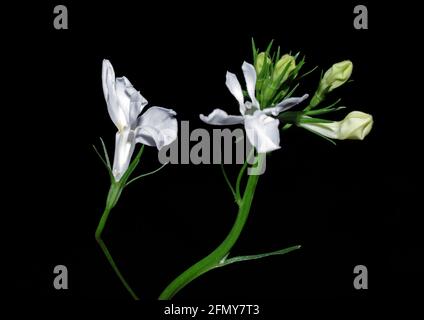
column 215, row 258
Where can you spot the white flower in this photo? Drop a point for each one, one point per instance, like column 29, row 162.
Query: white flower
column 356, row 126
column 261, row 128
column 156, row 127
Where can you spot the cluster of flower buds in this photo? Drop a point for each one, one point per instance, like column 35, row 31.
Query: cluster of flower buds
column 275, row 75
column 277, row 78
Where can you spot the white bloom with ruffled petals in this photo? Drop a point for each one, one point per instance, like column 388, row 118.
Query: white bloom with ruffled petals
column 156, row 127
column 261, row 128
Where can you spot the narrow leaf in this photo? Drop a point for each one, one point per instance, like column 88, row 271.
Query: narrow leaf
column 228, row 182
column 104, row 162
column 132, row 166
column 257, row 256
column 146, row 174
column 308, row 72
column 322, row 136
column 101, row 158
column 106, row 154
column 254, row 51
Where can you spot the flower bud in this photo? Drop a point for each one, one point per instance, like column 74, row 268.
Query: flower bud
column 286, row 61
column 355, row 126
column 260, row 62
column 333, row 78
column 337, row 75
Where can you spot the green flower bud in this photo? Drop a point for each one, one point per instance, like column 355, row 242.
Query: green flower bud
column 337, row 75
column 260, row 62
column 268, row 93
column 286, row 61
column 333, row 78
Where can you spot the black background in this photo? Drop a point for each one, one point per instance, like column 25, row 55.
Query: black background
column 347, row 205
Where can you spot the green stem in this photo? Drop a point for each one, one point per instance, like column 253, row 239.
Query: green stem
column 113, row 196
column 214, row 259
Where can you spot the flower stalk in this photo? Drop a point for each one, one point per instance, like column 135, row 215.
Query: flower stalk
column 218, row 257
column 155, row 127
column 115, row 191
column 214, row 259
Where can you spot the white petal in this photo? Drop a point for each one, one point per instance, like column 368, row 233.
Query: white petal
column 250, row 78
column 137, row 104
column 124, row 148
column 108, row 80
column 130, row 100
column 220, row 117
column 234, row 86
column 262, row 132
column 285, row 105
column 329, row 129
column 157, row 127
column 108, row 75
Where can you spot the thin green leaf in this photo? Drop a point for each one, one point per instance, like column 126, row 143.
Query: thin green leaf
column 313, row 120
column 323, row 111
column 334, row 103
column 268, row 49
column 286, row 126
column 280, row 95
column 106, row 154
column 305, row 119
column 132, row 166
column 104, row 162
column 322, row 136
column 145, row 174
column 308, row 110
column 225, row 262
column 228, row 182
column 292, row 91
column 299, row 66
column 254, row 51
column 277, row 57
column 101, row 158
column 308, row 72
column 240, row 176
